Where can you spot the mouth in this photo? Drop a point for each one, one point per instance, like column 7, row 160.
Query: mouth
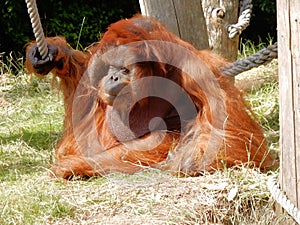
column 108, row 99
column 120, row 100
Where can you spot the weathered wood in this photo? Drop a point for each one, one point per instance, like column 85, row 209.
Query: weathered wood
column 288, row 20
column 219, row 14
column 183, row 17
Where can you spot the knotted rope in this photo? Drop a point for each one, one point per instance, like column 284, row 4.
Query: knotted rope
column 37, row 27
column 282, row 199
column 243, row 20
column 262, row 57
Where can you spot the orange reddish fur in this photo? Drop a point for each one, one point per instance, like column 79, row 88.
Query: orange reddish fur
column 243, row 140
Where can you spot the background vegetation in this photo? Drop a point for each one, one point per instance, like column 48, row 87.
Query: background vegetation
column 61, row 18
column 263, row 22
column 68, row 16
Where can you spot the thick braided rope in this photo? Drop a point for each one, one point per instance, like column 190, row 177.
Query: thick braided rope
column 262, row 57
column 282, row 199
column 243, row 20
column 37, row 27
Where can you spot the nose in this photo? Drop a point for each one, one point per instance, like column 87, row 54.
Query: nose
column 115, row 77
column 114, row 83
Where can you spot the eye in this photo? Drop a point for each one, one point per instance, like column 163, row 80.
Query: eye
column 125, row 70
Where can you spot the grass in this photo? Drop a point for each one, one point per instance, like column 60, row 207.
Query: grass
column 30, row 125
column 262, row 92
column 30, row 119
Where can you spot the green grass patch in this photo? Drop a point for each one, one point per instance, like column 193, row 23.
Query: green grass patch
column 29, row 200
column 30, row 124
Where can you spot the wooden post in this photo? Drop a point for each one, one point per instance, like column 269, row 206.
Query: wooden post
column 288, row 25
column 219, row 14
column 183, row 17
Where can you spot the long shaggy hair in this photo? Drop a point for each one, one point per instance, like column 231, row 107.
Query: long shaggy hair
column 221, row 133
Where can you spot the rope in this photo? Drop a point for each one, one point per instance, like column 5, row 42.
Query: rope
column 37, row 27
column 243, row 21
column 262, row 57
column 282, row 199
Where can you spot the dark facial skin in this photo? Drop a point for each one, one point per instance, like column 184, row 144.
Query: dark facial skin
column 115, row 80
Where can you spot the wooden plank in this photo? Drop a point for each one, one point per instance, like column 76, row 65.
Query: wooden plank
column 183, row 17
column 163, row 11
column 288, row 44
column 191, row 22
column 295, row 47
column 286, row 92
